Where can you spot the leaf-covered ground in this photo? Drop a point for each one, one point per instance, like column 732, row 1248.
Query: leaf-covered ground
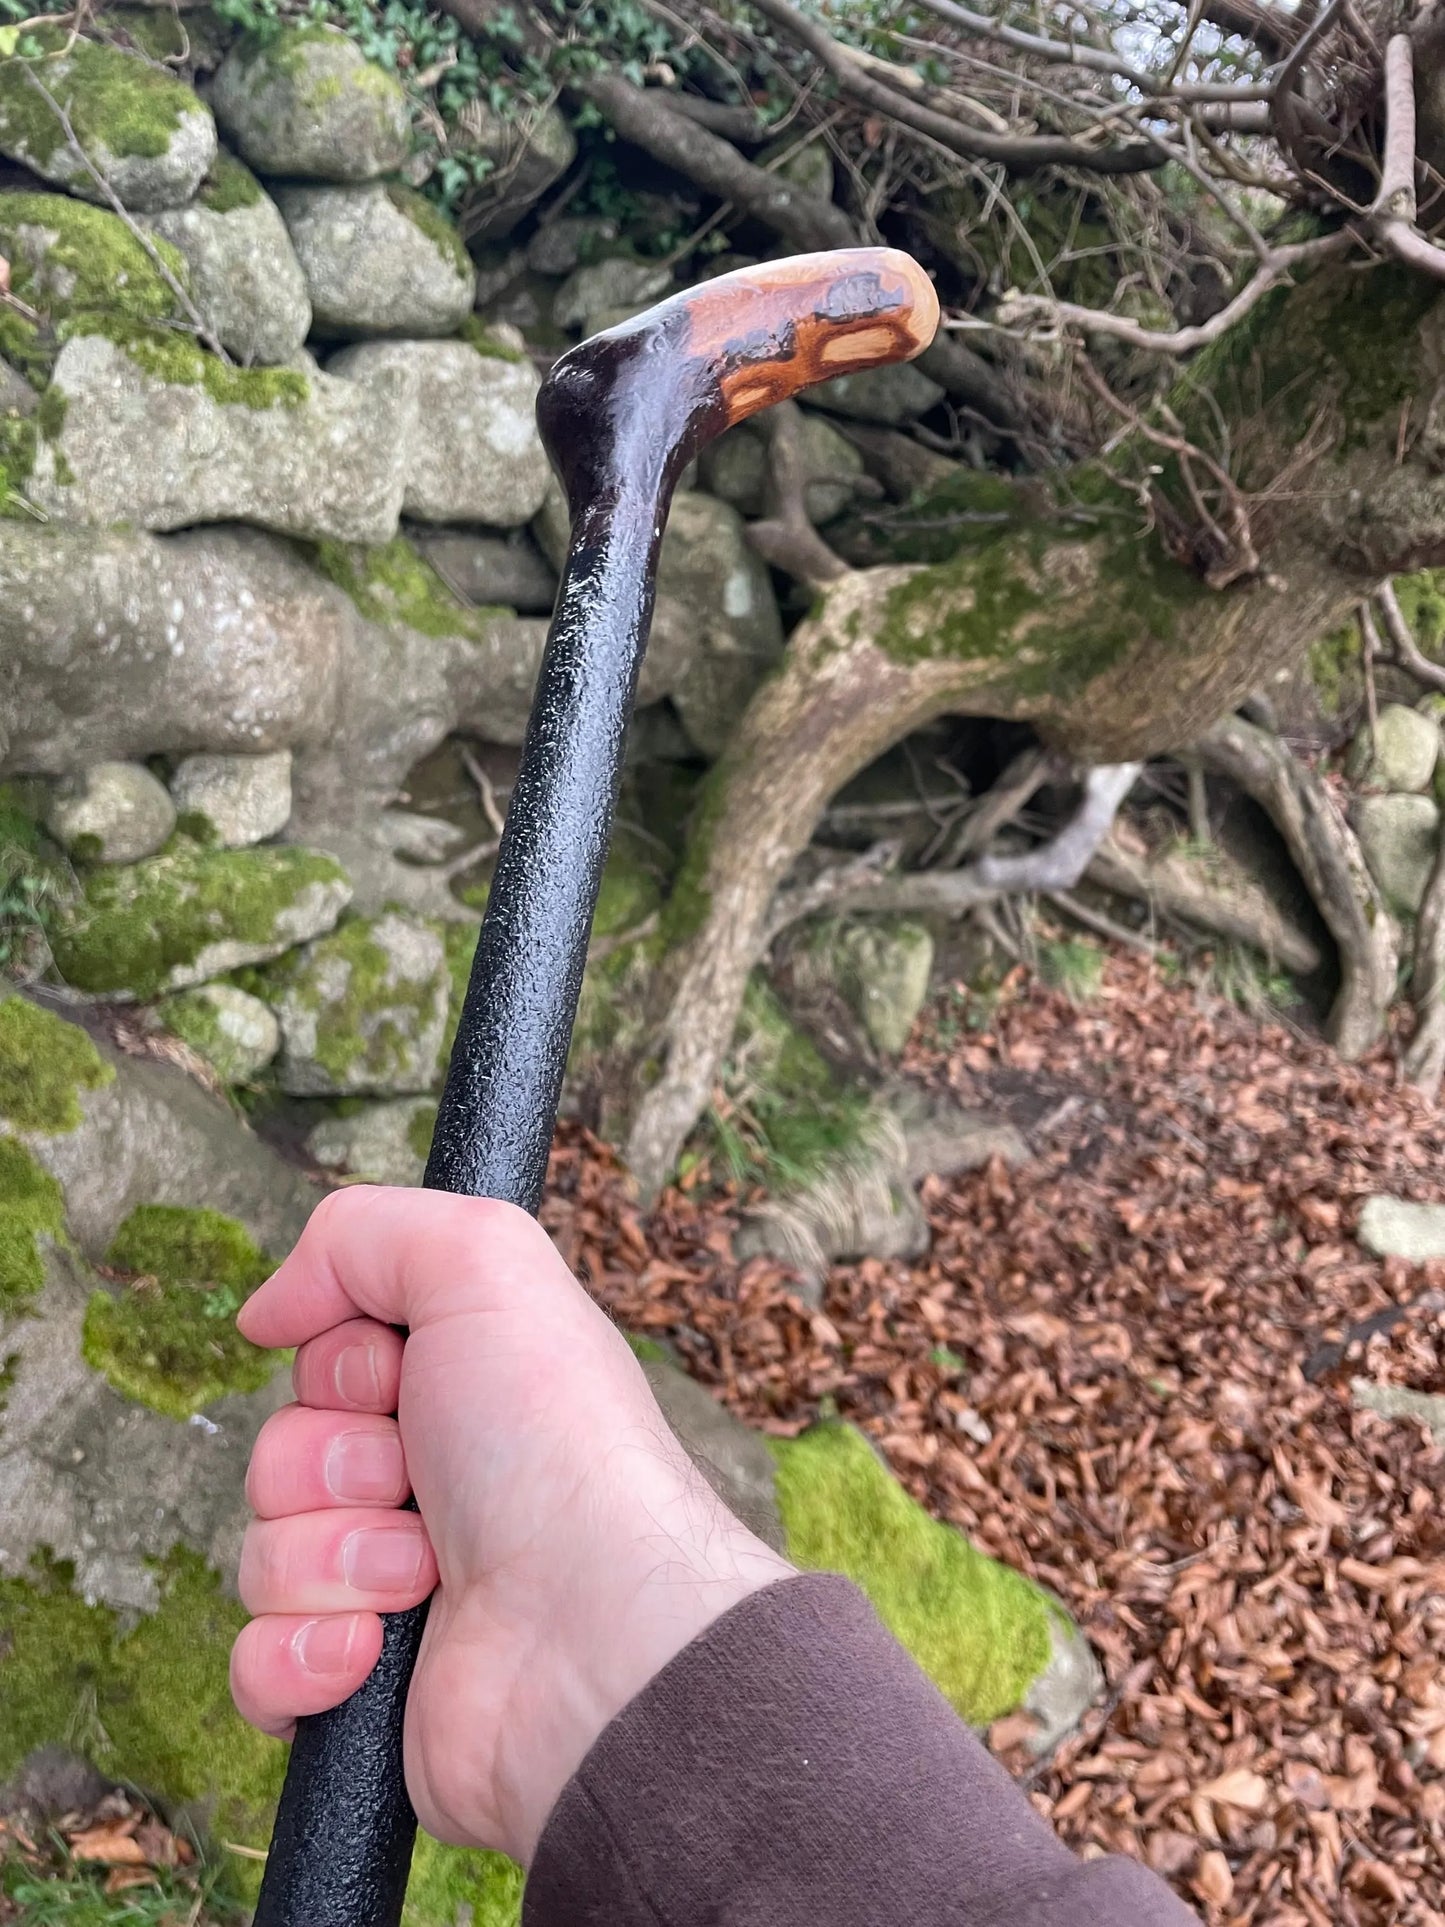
column 1126, row 1369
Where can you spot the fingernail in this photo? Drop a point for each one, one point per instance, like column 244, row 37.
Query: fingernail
column 365, row 1465
column 356, row 1377
column 383, row 1559
column 324, row 1645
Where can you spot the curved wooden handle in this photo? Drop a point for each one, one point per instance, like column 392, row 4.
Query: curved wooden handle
column 639, row 400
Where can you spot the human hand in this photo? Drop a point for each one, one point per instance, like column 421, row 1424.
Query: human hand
column 573, row 1546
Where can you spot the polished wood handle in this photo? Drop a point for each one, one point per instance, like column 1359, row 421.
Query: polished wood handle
column 636, row 402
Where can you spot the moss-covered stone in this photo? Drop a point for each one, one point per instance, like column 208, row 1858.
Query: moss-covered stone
column 32, row 1207
column 426, row 216
column 190, row 914
column 45, row 1063
column 76, row 265
column 363, row 1009
column 978, row 1629
column 235, row 1032
column 154, row 1702
column 170, row 357
column 393, row 582
column 487, row 342
column 229, row 184
column 169, row 1339
column 119, row 106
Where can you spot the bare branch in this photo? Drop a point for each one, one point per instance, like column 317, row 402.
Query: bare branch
column 1404, row 649
column 1425, row 1058
column 1019, row 310
column 1019, row 153
column 1393, row 211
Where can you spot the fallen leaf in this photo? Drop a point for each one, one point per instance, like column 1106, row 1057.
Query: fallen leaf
column 1239, row 1788
column 1213, row 1882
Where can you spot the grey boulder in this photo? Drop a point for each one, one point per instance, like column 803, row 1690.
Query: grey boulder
column 1400, row 753
column 378, row 261
column 735, row 468
column 235, row 1032
column 885, row 967
column 302, row 454
column 111, row 813
column 614, row 288
column 383, row 1143
column 1398, row 838
column 1398, row 1228
column 899, row 393
column 717, row 631
column 472, row 453
column 245, row 278
column 243, row 799
column 528, row 152
column 309, row 104
column 506, row 571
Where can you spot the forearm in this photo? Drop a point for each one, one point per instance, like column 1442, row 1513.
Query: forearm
column 793, row 1766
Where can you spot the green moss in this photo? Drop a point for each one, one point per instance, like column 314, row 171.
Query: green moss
column 979, row 1630
column 420, row 1130
column 426, row 216
column 1422, row 603
column 170, row 357
column 367, row 1016
column 783, row 1115
column 478, row 335
column 1336, row 670
column 460, row 942
column 229, row 184
column 120, row 106
column 32, row 1207
column 646, row 1351
column 136, row 925
column 689, row 901
column 153, row 1700
column 45, row 1063
column 394, row 582
column 170, row 1341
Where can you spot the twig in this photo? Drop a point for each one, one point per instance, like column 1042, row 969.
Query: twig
column 1369, row 649
column 486, row 790
column 1017, row 310
column 119, row 208
column 1101, row 925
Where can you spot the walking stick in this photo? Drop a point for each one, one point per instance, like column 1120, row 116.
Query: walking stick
column 621, row 417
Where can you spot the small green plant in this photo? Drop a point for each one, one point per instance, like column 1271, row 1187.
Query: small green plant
column 1249, row 980
column 1073, row 965
column 32, row 883
column 74, row 1896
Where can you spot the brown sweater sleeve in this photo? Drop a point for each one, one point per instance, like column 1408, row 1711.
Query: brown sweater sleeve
column 794, row 1768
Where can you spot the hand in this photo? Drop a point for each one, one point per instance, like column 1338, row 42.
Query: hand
column 574, row 1547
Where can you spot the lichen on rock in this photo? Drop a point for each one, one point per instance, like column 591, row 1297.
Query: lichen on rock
column 239, row 800
column 307, row 103
column 473, row 454
column 160, row 435
column 111, row 813
column 363, row 1009
column 140, row 127
column 372, row 268
column 168, row 1338
column 245, row 277
column 235, row 1032
column 45, row 1063
column 191, row 914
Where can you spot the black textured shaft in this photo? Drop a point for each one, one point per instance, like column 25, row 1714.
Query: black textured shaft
column 341, row 1848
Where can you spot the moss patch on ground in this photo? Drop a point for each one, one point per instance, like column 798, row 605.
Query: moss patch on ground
column 394, row 582
column 978, row 1629
column 169, row 1340
column 119, row 105
column 45, row 1063
column 488, row 345
column 136, row 924
column 32, row 1207
column 151, row 1705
